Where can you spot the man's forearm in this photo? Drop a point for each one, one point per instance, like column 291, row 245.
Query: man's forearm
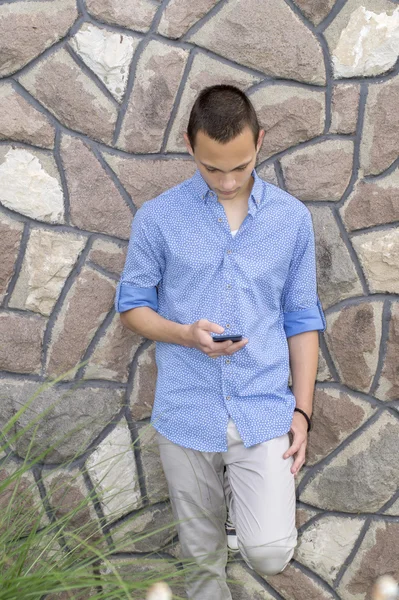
column 304, row 353
column 147, row 322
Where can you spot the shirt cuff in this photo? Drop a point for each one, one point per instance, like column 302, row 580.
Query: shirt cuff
column 128, row 296
column 304, row 320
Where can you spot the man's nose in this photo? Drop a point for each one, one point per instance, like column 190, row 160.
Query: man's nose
column 227, row 185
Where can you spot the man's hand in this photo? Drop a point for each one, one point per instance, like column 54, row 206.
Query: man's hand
column 198, row 336
column 299, row 430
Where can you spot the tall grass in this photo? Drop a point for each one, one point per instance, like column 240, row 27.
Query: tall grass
column 54, row 542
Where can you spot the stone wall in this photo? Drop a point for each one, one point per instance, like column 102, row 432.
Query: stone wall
column 94, row 98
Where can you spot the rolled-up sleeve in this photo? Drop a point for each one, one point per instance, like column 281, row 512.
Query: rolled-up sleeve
column 144, row 264
column 300, row 302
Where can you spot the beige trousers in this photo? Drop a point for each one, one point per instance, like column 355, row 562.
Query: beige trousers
column 259, row 489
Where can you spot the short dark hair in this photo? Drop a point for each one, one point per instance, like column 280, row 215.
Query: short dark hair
column 222, row 112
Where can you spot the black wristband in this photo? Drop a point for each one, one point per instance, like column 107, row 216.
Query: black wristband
column 309, row 422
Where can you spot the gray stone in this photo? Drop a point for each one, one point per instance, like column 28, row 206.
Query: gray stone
column 315, row 10
column 145, row 179
column 363, row 476
column 372, row 203
column 148, row 531
column 21, row 339
column 10, row 238
column 205, row 71
column 376, row 556
column 321, row 171
column 280, row 45
column 154, row 477
column 143, row 392
column 157, row 80
column 323, row 372
column 326, row 544
column 243, row 586
column 388, row 385
column 96, row 204
column 49, row 258
column 112, row 469
column 132, row 14
column 336, row 415
column 179, row 15
column 379, row 146
column 86, row 305
column 72, row 96
column 344, row 108
column 30, row 184
column 108, row 255
column 393, row 509
column 368, row 46
column 378, row 252
column 289, row 115
column 108, row 54
column 353, row 337
column 336, row 273
column 28, row 28
column 67, row 418
column 113, row 354
column 21, row 122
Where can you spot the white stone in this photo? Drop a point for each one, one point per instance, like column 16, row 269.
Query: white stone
column 49, row 259
column 112, row 468
column 369, row 44
column 30, row 184
column 326, row 544
column 378, row 252
column 108, row 54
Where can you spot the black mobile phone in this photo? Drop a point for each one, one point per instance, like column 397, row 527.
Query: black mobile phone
column 224, row 338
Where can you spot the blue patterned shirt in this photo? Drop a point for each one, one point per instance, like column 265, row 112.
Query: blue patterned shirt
column 184, row 263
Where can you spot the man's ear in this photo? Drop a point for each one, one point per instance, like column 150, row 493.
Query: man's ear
column 188, row 145
column 260, row 139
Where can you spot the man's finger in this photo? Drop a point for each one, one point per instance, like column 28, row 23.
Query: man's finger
column 293, row 448
column 298, row 462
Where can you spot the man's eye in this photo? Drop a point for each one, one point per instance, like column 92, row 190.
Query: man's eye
column 241, row 168
column 210, row 170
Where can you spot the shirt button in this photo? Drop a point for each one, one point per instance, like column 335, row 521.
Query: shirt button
column 228, row 325
column 228, row 286
column 228, row 362
column 228, row 251
column 220, row 219
column 228, row 397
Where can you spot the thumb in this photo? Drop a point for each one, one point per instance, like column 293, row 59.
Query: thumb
column 209, row 326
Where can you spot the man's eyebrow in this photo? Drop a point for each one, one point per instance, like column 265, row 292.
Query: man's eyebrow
column 238, row 167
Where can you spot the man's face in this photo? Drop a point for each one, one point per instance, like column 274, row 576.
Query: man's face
column 226, row 168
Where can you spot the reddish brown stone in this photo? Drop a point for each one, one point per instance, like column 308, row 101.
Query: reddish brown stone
column 148, row 531
column 142, row 397
column 21, row 122
column 145, row 179
column 10, row 238
column 353, row 336
column 27, row 29
column 319, row 172
column 128, row 13
column 158, row 76
column 85, row 307
column 315, row 10
column 279, row 45
column 292, row 584
column 114, row 353
column 21, row 339
column 96, row 203
column 378, row 555
column 373, row 203
column 289, row 115
column 108, row 255
column 180, row 15
column 380, row 140
column 345, row 105
column 335, row 416
column 20, row 504
column 388, row 387
column 71, row 95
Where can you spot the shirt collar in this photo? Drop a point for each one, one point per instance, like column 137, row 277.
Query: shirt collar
column 204, row 191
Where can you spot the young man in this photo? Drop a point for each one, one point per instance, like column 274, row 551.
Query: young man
column 226, row 253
